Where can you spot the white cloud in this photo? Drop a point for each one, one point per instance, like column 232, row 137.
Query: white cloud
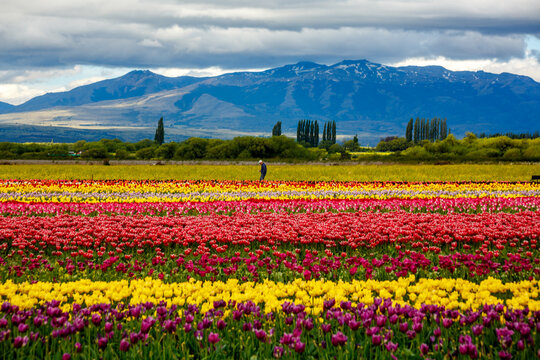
column 16, row 94
column 151, row 43
column 204, row 72
column 38, row 75
column 85, row 81
column 50, row 45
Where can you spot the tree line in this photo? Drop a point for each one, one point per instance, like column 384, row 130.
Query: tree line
column 426, row 129
column 240, row 148
column 472, row 148
column 512, row 135
column 429, row 146
column 307, row 133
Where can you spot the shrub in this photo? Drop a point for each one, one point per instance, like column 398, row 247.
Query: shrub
column 416, row 152
column 393, row 144
column 532, row 152
column 512, row 154
column 145, row 153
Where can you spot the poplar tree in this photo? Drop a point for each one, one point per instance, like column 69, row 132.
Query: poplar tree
column 300, row 131
column 311, row 133
column 316, row 140
column 416, row 130
column 159, row 138
column 409, row 131
column 444, row 130
column 276, row 131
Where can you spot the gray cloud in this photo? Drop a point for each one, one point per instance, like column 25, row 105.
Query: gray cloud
column 239, row 34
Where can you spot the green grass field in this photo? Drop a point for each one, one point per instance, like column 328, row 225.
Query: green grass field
column 305, row 172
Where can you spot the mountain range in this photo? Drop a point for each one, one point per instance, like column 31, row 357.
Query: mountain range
column 365, row 98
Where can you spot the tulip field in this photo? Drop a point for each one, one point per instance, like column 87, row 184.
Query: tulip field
column 229, row 269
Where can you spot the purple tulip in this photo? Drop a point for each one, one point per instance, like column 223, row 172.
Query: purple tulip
column 308, row 324
column 424, row 348
column 22, row 327
column 464, row 339
column 354, row 325
column 346, row 305
column 390, row 346
column 134, row 338
column 403, row 327
column 161, row 310
column 278, row 351
column 213, row 338
column 381, row 320
column 376, row 340
column 169, row 326
column 146, row 324
column 34, row 336
column 524, row 329
column 96, row 319
column 472, row 350
column 326, row 328
column 135, row 311
column 78, row 347
column 339, row 339
column 102, row 342
column 220, row 303
column 246, row 326
column 206, row 323
column 4, row 335
column 299, row 347
column 66, row 356
column 261, row 335
column 20, row 341
column 286, row 339
column 221, row 324
column 328, row 304
column 124, row 345
column 447, row 323
column 109, row 327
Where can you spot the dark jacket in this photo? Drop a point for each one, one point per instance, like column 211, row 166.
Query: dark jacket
column 263, row 169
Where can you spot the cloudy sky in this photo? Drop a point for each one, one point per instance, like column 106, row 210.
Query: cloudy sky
column 56, row 45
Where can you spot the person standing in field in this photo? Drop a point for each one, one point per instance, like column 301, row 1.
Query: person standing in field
column 263, row 169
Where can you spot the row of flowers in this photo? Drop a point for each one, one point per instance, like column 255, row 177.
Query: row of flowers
column 229, row 329
column 440, row 205
column 426, row 231
column 174, row 191
column 267, row 263
column 451, row 293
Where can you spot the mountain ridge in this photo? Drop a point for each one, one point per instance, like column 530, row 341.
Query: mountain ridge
column 5, row 106
column 365, row 98
column 133, row 84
